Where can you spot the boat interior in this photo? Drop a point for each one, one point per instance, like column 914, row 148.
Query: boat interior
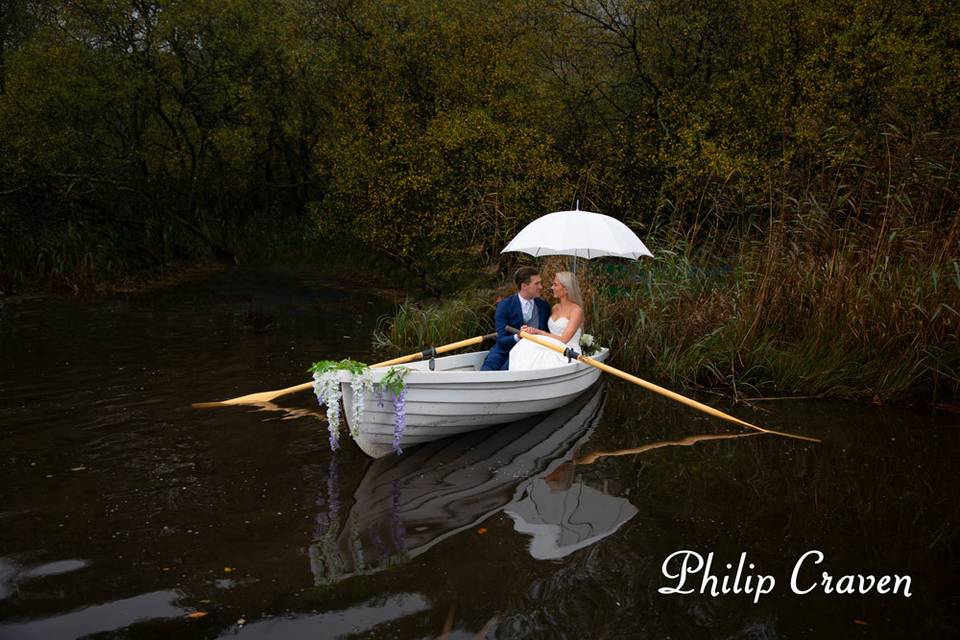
column 456, row 362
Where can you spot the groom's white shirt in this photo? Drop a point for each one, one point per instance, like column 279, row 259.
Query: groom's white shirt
column 526, row 308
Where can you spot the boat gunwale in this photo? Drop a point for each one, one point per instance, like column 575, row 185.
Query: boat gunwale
column 419, row 375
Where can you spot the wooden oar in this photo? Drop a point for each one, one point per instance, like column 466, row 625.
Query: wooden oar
column 268, row 396
column 570, row 353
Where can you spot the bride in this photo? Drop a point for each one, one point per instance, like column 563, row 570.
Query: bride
column 565, row 324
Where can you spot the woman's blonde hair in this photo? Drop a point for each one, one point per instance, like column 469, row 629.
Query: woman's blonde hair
column 569, row 282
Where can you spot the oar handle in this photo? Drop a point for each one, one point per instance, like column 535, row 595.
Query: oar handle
column 427, row 353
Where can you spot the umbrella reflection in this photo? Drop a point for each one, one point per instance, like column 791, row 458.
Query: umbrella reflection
column 562, row 519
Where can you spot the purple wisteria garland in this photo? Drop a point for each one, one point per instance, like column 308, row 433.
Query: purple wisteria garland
column 327, row 376
column 399, row 419
column 397, row 530
column 394, row 383
column 326, row 386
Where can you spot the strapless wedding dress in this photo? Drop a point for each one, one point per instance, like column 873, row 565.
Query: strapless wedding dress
column 527, row 354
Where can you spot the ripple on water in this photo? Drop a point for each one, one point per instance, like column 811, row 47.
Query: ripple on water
column 8, row 572
column 360, row 618
column 99, row 618
column 12, row 572
column 53, row 568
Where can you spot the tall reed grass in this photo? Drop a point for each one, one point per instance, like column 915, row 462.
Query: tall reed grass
column 802, row 307
column 416, row 326
column 811, row 309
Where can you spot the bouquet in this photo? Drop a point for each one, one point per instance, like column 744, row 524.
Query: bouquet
column 587, row 344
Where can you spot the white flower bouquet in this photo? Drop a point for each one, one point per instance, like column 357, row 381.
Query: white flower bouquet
column 587, row 344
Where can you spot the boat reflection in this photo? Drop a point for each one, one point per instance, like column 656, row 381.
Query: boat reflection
column 406, row 504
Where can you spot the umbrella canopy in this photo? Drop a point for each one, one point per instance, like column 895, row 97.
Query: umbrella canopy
column 582, row 234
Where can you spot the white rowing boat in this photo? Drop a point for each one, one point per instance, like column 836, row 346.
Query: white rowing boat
column 450, row 395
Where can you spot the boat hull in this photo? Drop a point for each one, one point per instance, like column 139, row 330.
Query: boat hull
column 456, row 398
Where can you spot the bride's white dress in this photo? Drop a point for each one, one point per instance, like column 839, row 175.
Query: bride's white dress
column 527, row 354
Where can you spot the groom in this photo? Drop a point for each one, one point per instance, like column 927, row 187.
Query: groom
column 527, row 307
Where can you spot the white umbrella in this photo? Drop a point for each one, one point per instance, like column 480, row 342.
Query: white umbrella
column 582, row 234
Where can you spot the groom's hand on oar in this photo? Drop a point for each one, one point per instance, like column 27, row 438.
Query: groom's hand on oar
column 269, row 396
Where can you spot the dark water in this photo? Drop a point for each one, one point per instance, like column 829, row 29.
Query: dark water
column 123, row 510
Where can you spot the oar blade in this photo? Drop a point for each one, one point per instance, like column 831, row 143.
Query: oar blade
column 269, row 396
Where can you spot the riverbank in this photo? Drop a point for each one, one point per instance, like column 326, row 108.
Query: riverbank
column 340, row 262
column 810, row 309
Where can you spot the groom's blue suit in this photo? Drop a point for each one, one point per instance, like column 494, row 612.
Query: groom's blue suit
column 509, row 312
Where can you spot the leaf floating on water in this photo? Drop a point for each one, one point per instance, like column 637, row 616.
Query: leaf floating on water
column 481, row 531
column 196, row 614
column 228, row 569
column 855, row 621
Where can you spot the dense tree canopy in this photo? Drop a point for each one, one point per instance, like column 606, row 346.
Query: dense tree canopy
column 132, row 131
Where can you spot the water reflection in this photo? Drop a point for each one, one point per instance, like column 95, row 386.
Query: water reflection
column 406, row 504
column 291, row 413
column 563, row 516
column 590, row 458
column 8, row 573
column 12, row 574
column 334, row 624
column 105, row 463
column 97, row 619
column 53, row 568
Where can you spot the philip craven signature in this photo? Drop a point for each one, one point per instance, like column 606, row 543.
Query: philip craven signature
column 690, row 572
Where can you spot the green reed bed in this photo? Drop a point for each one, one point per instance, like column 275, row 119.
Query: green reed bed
column 800, row 308
column 810, row 309
column 416, row 326
column 68, row 255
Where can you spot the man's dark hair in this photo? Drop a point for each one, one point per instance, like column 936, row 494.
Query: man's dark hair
column 523, row 275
